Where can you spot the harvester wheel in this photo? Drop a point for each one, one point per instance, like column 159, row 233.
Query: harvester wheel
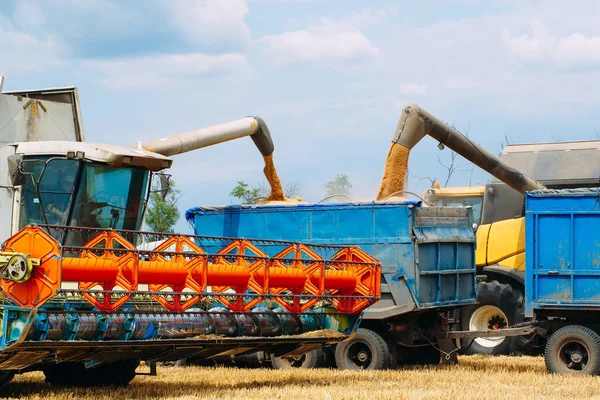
column 118, row 373
column 500, row 306
column 422, row 355
column 365, row 350
column 313, row 359
column 573, row 349
column 5, row 378
column 65, row 374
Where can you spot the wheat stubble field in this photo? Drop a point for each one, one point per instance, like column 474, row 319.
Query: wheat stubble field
column 476, row 377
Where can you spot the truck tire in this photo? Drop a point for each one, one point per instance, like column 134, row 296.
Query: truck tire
column 118, row 373
column 313, row 359
column 394, row 353
column 573, row 349
column 366, row 350
column 500, row 306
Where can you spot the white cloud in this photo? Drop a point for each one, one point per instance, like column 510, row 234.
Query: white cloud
column 413, row 89
column 324, row 44
column 572, row 51
column 22, row 53
column 161, row 70
column 211, row 23
column 463, row 83
column 28, row 14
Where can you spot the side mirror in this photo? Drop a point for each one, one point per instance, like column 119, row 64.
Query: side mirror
column 163, row 185
column 14, row 169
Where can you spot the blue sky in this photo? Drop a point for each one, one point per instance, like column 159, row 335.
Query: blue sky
column 329, row 77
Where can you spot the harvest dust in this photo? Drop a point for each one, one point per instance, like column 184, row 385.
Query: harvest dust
column 394, row 173
column 276, row 197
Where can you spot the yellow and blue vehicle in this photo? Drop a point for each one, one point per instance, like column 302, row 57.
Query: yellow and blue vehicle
column 499, row 214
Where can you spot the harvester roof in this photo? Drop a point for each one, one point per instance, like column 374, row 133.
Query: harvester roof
column 113, row 155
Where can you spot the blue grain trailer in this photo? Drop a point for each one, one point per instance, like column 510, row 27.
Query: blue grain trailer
column 426, row 254
column 562, row 292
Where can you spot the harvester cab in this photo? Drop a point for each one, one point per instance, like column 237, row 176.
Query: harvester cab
column 456, row 197
column 81, row 184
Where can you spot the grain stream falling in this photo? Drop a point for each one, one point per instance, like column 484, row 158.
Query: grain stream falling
column 277, row 196
column 394, row 173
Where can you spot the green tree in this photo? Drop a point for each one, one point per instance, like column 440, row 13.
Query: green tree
column 338, row 185
column 255, row 193
column 249, row 194
column 162, row 213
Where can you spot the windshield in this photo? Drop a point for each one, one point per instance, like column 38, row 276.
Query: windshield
column 473, row 201
column 50, row 200
column 79, row 193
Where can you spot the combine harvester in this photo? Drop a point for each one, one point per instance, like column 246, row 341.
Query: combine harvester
column 83, row 304
column 428, row 264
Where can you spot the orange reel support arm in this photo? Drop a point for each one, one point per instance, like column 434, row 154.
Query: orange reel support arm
column 108, row 271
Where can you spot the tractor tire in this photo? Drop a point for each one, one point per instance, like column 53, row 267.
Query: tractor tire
column 366, row 350
column 573, row 349
column 500, row 305
column 313, row 359
column 118, row 373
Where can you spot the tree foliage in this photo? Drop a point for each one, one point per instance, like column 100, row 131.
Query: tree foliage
column 162, row 213
column 338, row 185
column 252, row 194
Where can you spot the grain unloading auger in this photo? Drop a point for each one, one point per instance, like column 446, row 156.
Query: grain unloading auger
column 414, row 124
column 84, row 303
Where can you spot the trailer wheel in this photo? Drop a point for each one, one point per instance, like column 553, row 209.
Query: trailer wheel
column 313, row 359
column 573, row 349
column 500, row 306
column 118, row 373
column 365, row 350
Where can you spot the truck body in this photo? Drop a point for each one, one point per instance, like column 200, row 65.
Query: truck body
column 426, row 256
column 563, row 276
column 563, row 253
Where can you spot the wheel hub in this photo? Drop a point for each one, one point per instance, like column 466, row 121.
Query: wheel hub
column 362, row 356
column 576, row 357
column 488, row 317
